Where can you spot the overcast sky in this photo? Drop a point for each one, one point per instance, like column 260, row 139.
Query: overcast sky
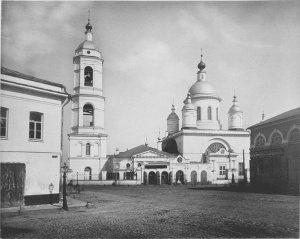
column 151, row 51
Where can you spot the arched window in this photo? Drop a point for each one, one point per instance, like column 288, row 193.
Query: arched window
column 88, row 76
column 88, row 149
column 209, row 113
column 276, row 139
column 88, row 115
column 215, row 147
column 295, row 136
column 198, row 113
column 217, row 114
column 260, row 141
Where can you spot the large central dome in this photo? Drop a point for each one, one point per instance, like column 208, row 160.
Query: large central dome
column 202, row 88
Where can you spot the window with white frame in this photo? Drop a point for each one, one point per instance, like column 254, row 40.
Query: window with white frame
column 222, row 170
column 4, row 122
column 36, row 126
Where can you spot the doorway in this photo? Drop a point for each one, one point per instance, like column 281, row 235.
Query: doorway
column 204, row 177
column 87, row 173
column 152, row 178
column 164, row 177
column 193, row 177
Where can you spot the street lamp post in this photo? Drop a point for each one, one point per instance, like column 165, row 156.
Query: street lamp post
column 51, row 187
column 77, row 179
column 65, row 204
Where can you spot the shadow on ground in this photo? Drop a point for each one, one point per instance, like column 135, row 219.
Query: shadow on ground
column 246, row 189
column 13, row 231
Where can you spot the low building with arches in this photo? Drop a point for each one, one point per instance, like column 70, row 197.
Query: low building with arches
column 214, row 155
column 275, row 152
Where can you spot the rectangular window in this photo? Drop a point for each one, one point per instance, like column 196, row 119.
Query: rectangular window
column 4, row 122
column 241, row 169
column 35, row 125
column 222, row 170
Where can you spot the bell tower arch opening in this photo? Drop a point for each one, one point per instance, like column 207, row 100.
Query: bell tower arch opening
column 88, row 76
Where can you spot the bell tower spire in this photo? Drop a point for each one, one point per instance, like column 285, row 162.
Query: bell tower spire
column 88, row 139
column 88, row 32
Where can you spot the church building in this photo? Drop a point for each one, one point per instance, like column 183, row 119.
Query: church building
column 87, row 141
column 201, row 152
column 210, row 154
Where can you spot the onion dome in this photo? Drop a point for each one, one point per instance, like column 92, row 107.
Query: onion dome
column 173, row 115
column 188, row 103
column 201, row 87
column 88, row 43
column 201, row 65
column 88, row 27
column 235, row 108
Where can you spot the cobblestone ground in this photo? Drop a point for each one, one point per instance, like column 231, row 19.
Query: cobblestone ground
column 162, row 212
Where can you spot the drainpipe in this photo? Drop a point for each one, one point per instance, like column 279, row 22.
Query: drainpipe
column 62, row 132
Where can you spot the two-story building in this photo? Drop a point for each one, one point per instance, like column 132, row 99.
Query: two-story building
column 31, row 151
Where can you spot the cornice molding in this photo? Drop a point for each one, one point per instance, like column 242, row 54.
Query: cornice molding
column 213, row 134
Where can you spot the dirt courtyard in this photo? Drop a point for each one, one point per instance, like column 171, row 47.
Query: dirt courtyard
column 162, row 212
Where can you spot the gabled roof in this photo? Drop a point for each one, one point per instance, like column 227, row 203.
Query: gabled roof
column 9, row 72
column 140, row 149
column 279, row 117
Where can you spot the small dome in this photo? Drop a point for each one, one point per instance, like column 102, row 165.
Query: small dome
column 202, row 88
column 189, row 106
column 235, row 109
column 173, row 116
column 88, row 26
column 87, row 45
column 201, row 65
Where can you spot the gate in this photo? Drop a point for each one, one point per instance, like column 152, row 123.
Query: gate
column 12, row 184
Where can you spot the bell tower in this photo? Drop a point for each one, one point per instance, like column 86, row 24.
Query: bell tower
column 87, row 142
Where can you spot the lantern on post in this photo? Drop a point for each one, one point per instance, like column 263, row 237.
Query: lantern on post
column 65, row 170
column 51, row 187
